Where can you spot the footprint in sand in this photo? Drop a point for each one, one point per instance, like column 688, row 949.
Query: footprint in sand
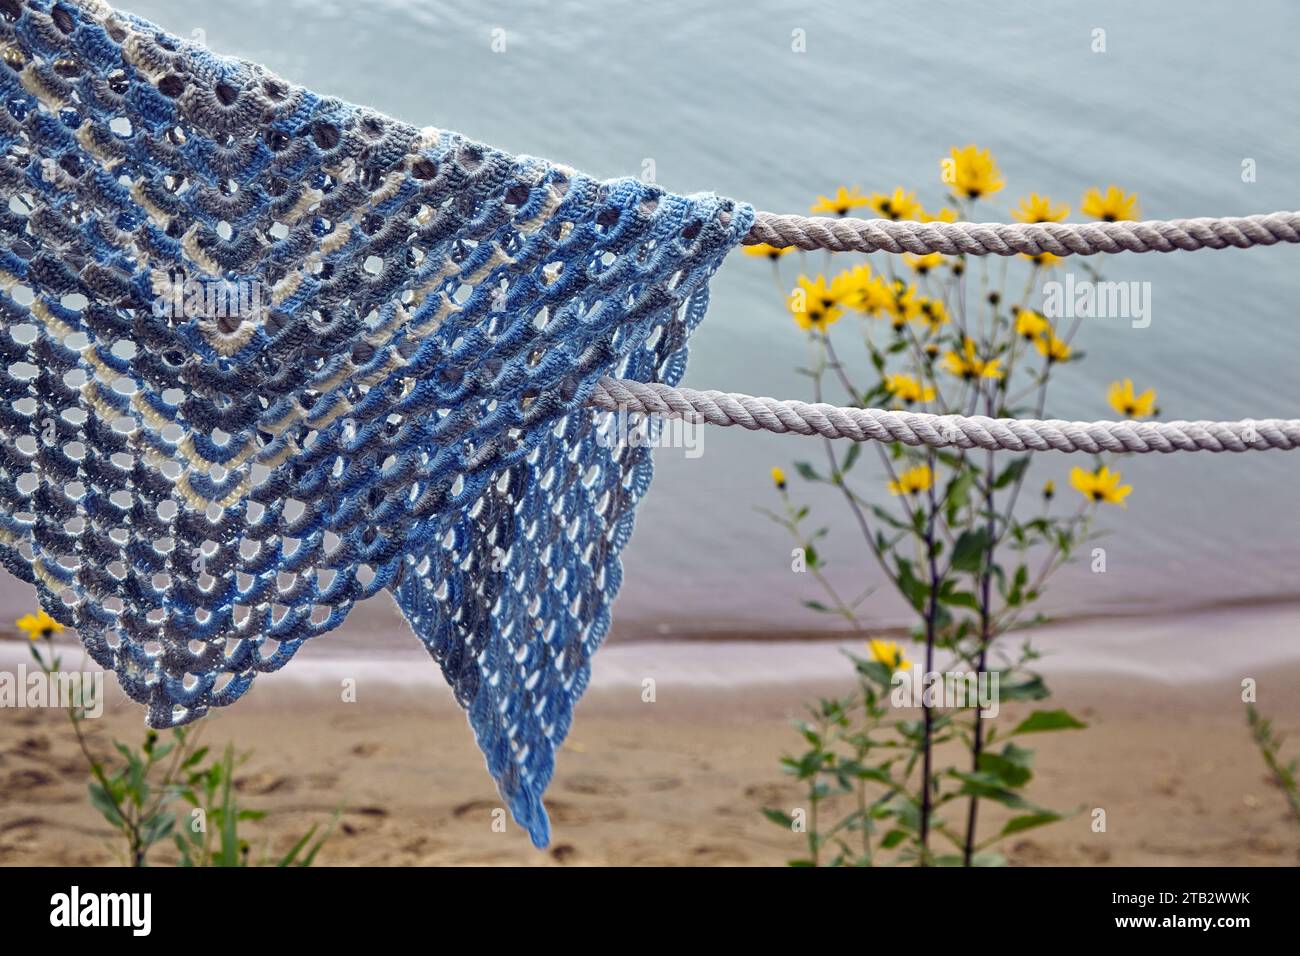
column 260, row 784
column 719, row 855
column 1095, row 855
column 355, row 823
column 32, row 747
column 593, row 784
column 474, row 806
column 22, row 781
column 563, row 852
column 22, row 823
column 768, row 794
column 572, row 814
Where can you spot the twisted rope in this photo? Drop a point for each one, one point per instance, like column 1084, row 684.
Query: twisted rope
column 940, row 431
column 1009, row 239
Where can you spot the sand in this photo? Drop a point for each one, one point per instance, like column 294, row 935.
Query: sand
column 680, row 781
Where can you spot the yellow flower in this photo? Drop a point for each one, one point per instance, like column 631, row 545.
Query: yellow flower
column 908, row 389
column 1049, row 489
column 899, row 205
column 38, row 625
column 766, row 251
column 935, row 313
column 969, row 366
column 1121, row 398
column 1031, row 325
column 847, row 287
column 888, row 653
column 923, row 264
column 1052, row 348
column 844, row 201
column 973, row 173
column 946, row 214
column 1046, row 260
column 874, row 295
column 813, row 305
column 858, row 289
column 912, row 481
column 1113, row 206
column 1036, row 208
column 778, row 479
column 903, row 304
column 1100, row 485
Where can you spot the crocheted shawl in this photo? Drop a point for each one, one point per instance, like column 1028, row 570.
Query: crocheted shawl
column 267, row 354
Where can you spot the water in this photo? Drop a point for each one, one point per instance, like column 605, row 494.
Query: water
column 716, row 98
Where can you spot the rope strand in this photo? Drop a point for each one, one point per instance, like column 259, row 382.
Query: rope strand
column 941, row 431
column 1009, row 239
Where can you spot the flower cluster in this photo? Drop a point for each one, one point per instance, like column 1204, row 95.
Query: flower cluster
column 953, row 536
column 917, row 304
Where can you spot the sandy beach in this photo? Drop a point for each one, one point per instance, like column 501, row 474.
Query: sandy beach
column 682, row 781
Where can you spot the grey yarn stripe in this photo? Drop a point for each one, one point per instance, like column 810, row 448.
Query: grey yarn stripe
column 940, row 431
column 1009, row 239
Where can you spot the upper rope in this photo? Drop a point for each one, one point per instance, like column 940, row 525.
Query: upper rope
column 1021, row 238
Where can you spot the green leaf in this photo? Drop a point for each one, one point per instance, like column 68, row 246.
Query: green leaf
column 958, row 598
column 1028, row 821
column 892, row 839
column 1044, row 720
column 988, row 787
column 851, row 457
column 806, row 471
column 958, row 493
column 970, row 549
column 779, row 817
column 1012, row 472
column 915, row 590
column 1032, row 688
column 101, row 801
column 1018, row 583
column 1011, row 766
column 889, row 519
column 288, row 858
column 157, row 828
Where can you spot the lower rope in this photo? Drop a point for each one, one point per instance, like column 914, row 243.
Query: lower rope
column 941, row 431
column 1015, row 238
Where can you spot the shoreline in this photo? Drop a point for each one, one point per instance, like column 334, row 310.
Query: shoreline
column 1219, row 643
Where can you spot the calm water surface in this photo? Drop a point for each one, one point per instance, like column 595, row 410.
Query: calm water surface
column 713, row 94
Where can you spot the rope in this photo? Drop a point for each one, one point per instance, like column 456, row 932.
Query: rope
column 939, row 431
column 1009, row 239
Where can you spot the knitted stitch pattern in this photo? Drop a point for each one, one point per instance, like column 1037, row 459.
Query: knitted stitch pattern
column 266, row 354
